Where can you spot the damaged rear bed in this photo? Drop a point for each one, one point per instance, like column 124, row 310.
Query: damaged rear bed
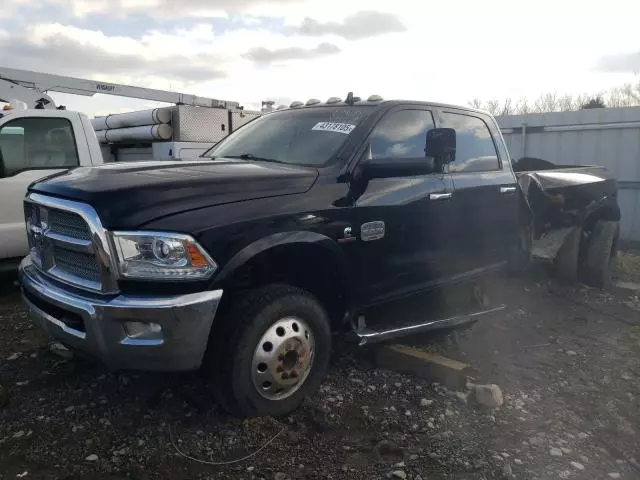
column 574, row 218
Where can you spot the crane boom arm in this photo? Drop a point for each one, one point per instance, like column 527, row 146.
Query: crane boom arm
column 37, row 83
column 33, row 98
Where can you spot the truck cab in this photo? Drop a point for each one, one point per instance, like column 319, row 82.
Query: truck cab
column 33, row 145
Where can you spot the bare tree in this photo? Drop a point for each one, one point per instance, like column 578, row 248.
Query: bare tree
column 522, row 107
column 618, row 98
column 507, row 108
column 627, row 95
column 475, row 103
column 547, row 103
column 493, row 106
column 580, row 100
column 566, row 103
column 595, row 102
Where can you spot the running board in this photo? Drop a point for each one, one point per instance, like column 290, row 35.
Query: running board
column 366, row 335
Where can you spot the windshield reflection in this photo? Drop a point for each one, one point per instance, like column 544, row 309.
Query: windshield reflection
column 296, row 137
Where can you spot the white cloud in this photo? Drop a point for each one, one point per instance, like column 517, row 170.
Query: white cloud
column 182, row 57
column 621, row 62
column 162, row 8
column 447, row 52
column 250, row 20
column 269, row 56
column 70, row 50
column 363, row 24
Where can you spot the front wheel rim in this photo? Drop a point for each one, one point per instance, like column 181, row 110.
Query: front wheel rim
column 283, row 358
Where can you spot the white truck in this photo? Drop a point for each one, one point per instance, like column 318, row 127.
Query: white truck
column 38, row 138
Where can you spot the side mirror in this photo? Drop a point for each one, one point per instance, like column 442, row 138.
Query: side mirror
column 441, row 144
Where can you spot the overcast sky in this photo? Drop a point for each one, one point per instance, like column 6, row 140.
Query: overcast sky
column 251, row 50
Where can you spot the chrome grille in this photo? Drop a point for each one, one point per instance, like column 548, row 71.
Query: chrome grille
column 67, row 241
column 68, row 224
column 81, row 265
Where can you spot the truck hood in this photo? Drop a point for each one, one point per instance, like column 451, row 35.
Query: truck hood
column 130, row 194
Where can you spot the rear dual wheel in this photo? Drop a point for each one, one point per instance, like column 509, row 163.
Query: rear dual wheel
column 271, row 350
column 590, row 259
column 600, row 254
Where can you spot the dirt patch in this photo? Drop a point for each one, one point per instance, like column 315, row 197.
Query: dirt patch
column 567, row 359
column 628, row 266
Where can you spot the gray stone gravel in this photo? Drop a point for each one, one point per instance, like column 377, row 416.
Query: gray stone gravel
column 74, row 419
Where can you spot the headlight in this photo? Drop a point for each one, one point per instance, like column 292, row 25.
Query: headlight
column 161, row 256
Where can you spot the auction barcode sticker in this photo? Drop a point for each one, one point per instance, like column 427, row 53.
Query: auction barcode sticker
column 345, row 128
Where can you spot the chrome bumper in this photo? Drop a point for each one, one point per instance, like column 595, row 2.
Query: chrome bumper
column 95, row 325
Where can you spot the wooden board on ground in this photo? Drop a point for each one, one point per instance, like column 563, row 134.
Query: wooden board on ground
column 430, row 366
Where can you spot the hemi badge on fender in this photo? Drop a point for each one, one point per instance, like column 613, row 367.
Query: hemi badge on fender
column 372, row 231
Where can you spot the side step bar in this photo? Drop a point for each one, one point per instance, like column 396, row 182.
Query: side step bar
column 365, row 336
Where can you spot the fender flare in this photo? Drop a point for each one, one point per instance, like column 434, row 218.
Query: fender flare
column 264, row 244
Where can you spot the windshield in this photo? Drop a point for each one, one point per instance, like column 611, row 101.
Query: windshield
column 301, row 137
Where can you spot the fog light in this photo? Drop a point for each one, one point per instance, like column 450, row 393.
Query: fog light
column 143, row 331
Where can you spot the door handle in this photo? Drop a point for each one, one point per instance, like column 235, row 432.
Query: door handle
column 507, row 189
column 440, row 196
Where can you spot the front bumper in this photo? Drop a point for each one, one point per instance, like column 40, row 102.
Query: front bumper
column 94, row 325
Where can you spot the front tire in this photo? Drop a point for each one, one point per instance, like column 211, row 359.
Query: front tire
column 271, row 351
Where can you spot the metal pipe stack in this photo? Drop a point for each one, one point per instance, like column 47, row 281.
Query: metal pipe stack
column 134, row 127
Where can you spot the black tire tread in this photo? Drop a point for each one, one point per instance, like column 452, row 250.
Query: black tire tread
column 598, row 269
column 567, row 260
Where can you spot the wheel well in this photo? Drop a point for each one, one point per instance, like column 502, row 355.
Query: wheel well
column 313, row 268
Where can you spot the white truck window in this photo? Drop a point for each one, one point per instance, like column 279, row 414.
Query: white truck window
column 36, row 143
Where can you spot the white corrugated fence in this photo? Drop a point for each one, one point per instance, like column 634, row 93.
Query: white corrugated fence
column 604, row 136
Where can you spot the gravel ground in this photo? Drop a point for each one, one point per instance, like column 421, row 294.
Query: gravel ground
column 567, row 360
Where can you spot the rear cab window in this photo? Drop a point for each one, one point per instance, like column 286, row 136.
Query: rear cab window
column 475, row 147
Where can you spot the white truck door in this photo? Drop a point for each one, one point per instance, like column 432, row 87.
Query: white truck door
column 33, row 145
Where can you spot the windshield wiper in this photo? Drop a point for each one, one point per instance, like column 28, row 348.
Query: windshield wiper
column 251, row 156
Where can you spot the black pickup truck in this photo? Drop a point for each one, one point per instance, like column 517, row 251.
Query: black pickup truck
column 290, row 230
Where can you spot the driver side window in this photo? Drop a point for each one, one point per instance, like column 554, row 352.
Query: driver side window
column 37, row 143
column 401, row 134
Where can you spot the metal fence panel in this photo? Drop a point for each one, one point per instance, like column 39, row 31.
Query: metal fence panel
column 605, row 136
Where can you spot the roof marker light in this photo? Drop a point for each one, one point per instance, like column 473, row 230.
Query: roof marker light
column 17, row 104
column 312, row 101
